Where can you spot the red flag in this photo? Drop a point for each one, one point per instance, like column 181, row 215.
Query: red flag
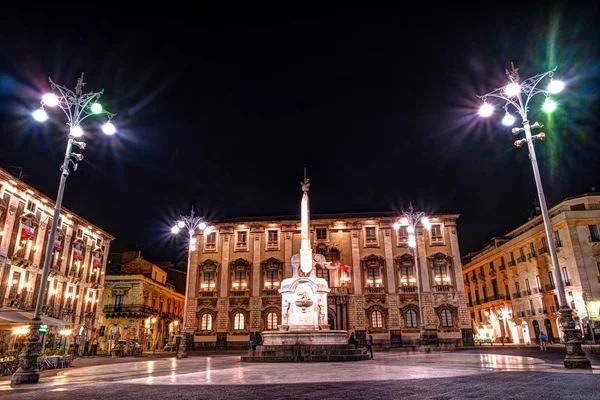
column 57, row 245
column 96, row 262
column 345, row 268
column 27, row 232
column 77, row 255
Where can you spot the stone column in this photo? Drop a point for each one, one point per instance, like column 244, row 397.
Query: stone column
column 288, row 252
column 459, row 286
column 392, row 285
column 8, row 225
column 356, row 267
column 223, row 302
column 192, row 275
column 256, row 269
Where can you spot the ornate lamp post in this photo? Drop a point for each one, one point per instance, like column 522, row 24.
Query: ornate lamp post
column 411, row 220
column 517, row 94
column 77, row 106
column 193, row 225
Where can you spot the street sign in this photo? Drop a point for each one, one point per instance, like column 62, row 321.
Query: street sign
column 43, row 328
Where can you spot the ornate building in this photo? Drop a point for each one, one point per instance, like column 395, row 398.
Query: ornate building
column 76, row 279
column 511, row 283
column 238, row 265
column 139, row 303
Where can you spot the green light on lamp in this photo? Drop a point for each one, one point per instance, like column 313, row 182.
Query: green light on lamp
column 549, row 106
column 96, row 108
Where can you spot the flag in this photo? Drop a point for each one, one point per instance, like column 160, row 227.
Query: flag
column 345, row 268
column 27, row 232
column 96, row 262
column 77, row 255
column 57, row 245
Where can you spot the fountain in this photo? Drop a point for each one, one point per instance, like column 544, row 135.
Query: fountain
column 304, row 334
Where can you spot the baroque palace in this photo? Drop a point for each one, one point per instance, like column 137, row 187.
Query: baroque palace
column 75, row 284
column 238, row 265
column 510, row 283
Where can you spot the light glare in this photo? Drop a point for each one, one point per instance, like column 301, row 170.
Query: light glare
column 40, row 115
column 512, row 89
column 202, row 226
column 486, row 110
column 76, row 131
column 508, row 120
column 396, row 226
column 180, row 224
column 175, row 229
column 549, row 106
column 108, row 128
column 404, row 221
column 96, row 108
column 556, row 86
column 50, row 100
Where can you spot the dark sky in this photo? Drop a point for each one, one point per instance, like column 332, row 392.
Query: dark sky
column 224, row 109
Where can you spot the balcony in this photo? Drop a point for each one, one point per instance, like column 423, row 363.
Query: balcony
column 521, row 259
column 531, row 255
column 568, row 283
column 369, row 289
column 239, row 293
column 207, row 294
column 512, row 263
column 542, row 250
column 516, row 295
column 338, row 291
column 270, row 292
column 502, row 267
column 128, row 311
column 408, row 289
column 442, row 288
column 549, row 287
column 526, row 293
column 521, row 314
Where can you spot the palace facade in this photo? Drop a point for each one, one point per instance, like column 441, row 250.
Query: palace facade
column 511, row 290
column 238, row 265
column 75, row 284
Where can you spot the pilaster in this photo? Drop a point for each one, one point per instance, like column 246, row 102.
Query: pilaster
column 356, row 269
column 392, row 285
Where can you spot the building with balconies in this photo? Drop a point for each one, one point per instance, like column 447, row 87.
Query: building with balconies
column 139, row 304
column 76, row 279
column 238, row 265
column 510, row 284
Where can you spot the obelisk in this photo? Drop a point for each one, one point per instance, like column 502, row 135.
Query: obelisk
column 306, row 259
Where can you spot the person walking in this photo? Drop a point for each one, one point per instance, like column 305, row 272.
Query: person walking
column 369, row 348
column 352, row 340
column 543, row 341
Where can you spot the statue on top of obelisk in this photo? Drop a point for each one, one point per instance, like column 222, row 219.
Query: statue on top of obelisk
column 306, row 259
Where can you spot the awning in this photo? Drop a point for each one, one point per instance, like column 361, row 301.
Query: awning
column 9, row 318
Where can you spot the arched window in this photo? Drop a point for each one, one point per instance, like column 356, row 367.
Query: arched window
column 238, row 321
column 446, row 317
column 376, row 319
column 206, row 322
column 272, row 321
column 411, row 319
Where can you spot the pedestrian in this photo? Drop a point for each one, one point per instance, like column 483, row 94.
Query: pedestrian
column 369, row 348
column 258, row 338
column 252, row 342
column 543, row 341
column 352, row 340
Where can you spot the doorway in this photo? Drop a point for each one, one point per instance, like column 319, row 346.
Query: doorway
column 549, row 331
column 536, row 329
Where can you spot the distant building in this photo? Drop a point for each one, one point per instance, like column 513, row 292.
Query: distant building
column 239, row 264
column 76, row 279
column 510, row 284
column 177, row 276
column 139, row 303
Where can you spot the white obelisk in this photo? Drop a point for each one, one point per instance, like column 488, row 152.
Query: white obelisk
column 306, row 259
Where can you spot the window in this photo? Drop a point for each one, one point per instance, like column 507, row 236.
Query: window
column 321, row 234
column 594, row 233
column 512, row 258
column 323, row 273
column 30, row 206
column 241, row 240
column 557, row 239
column 79, row 233
column 206, row 322
column 376, row 319
column 371, row 236
column 544, row 244
column 446, row 317
column 238, row 322
column 551, row 279
column 373, row 278
column 411, row 319
column 436, row 233
column 407, row 277
column 272, row 279
column 538, row 283
column 527, row 286
column 272, row 321
column 441, row 275
column 531, row 250
column 98, row 241
column 272, row 239
column 566, row 276
column 118, row 302
column 210, row 243
column 209, row 280
column 517, row 288
column 403, row 234
column 239, row 280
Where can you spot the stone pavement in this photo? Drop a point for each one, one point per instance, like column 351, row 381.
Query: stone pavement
column 487, row 373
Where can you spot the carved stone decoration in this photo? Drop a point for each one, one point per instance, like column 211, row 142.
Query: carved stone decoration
column 375, row 298
column 28, row 372
column 239, row 301
column 575, row 357
column 441, row 259
column 209, row 265
column 269, row 301
column 404, row 260
column 207, row 302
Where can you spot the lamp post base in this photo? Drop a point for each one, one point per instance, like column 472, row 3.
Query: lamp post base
column 575, row 357
column 181, row 353
column 28, row 371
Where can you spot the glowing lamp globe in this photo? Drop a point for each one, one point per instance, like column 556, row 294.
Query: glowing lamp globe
column 202, row 226
column 508, row 120
column 549, row 106
column 76, row 131
column 486, row 110
column 108, row 128
column 512, row 89
column 96, row 108
column 404, row 221
column 50, row 100
column 175, row 229
column 40, row 115
column 181, row 224
column 556, row 86
column 396, row 225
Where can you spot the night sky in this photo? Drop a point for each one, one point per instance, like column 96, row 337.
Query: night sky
column 223, row 109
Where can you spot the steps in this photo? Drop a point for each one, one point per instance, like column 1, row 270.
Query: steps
column 305, row 353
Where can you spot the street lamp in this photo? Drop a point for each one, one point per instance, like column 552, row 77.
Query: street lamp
column 517, row 95
column 193, row 225
column 77, row 106
column 411, row 220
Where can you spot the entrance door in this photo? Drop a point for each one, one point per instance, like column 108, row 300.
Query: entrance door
column 331, row 320
column 536, row 329
column 549, row 333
